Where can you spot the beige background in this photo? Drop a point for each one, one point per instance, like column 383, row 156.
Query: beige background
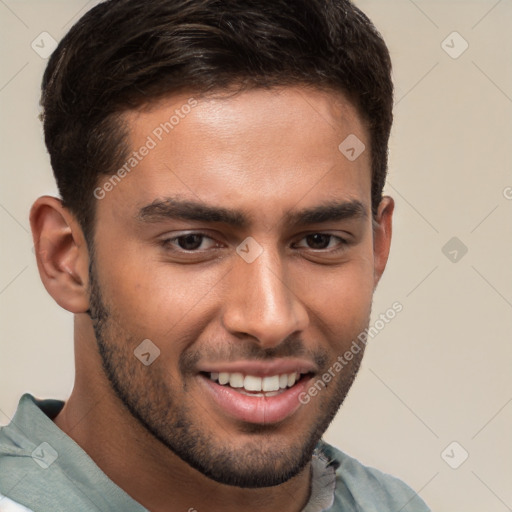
column 441, row 370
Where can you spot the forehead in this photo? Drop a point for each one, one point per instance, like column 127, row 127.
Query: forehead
column 264, row 148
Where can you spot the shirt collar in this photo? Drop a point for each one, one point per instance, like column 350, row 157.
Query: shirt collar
column 323, row 479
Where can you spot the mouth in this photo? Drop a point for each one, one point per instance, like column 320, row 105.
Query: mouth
column 263, row 399
column 252, row 385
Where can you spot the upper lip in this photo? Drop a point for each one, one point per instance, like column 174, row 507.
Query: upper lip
column 260, row 368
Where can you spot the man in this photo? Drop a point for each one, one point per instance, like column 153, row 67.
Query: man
column 219, row 238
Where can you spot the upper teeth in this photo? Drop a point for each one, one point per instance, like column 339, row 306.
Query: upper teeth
column 252, row 383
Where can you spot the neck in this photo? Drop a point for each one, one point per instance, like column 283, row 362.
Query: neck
column 154, row 476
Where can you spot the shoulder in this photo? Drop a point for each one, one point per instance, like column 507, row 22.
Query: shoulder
column 41, row 468
column 360, row 487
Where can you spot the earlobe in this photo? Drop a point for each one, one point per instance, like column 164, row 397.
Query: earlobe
column 61, row 252
column 382, row 236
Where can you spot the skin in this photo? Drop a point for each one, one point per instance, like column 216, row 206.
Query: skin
column 265, row 154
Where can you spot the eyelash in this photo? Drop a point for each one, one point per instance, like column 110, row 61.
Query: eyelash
column 167, row 243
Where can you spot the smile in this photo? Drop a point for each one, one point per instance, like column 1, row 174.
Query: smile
column 266, row 398
column 256, row 386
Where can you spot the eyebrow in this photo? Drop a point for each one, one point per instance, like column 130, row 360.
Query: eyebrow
column 328, row 212
column 173, row 208
column 162, row 210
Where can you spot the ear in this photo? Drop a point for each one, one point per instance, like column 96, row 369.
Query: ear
column 382, row 228
column 62, row 254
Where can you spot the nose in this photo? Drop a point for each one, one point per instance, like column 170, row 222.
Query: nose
column 261, row 302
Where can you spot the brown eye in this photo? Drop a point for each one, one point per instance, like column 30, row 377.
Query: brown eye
column 190, row 242
column 324, row 243
column 318, row 241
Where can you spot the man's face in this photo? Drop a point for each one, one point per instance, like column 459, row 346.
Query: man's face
column 281, row 308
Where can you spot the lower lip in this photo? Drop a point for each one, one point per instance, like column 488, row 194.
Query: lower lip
column 257, row 409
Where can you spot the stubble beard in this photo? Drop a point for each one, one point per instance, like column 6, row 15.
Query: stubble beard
column 145, row 392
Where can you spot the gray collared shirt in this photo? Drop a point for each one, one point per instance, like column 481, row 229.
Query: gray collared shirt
column 44, row 470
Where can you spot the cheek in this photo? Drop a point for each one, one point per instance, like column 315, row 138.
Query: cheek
column 341, row 297
column 151, row 298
